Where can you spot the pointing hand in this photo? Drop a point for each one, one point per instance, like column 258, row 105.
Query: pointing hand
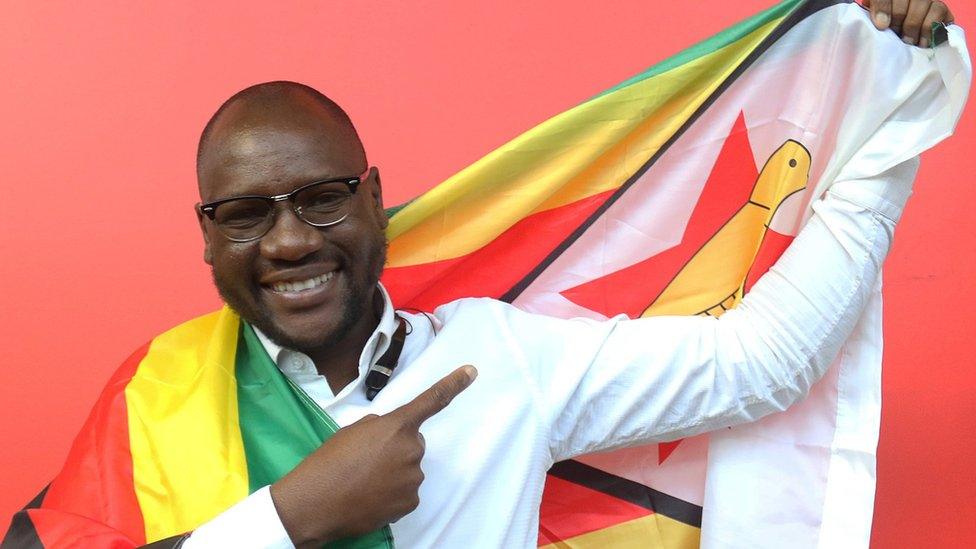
column 365, row 476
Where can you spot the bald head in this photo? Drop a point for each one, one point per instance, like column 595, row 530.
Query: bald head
column 239, row 131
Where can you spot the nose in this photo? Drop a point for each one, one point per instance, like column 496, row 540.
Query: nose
column 290, row 238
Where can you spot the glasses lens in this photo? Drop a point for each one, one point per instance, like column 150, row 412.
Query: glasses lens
column 323, row 204
column 244, row 218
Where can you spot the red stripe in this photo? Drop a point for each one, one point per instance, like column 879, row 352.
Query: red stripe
column 493, row 269
column 560, row 515
column 94, row 494
column 59, row 529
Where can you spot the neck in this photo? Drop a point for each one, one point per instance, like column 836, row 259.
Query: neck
column 339, row 362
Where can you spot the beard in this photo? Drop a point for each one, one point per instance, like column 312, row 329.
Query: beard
column 356, row 302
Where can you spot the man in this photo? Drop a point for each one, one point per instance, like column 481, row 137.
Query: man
column 293, row 222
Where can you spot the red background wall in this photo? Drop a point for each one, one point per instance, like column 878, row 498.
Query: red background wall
column 100, row 109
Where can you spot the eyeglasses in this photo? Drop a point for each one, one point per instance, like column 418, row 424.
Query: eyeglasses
column 320, row 204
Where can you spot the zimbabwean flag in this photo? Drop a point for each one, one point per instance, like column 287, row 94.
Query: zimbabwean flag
column 667, row 194
column 671, row 193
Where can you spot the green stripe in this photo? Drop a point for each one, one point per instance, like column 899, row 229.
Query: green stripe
column 281, row 425
column 393, row 210
column 712, row 44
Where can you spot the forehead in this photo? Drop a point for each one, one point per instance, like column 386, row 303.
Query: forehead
column 273, row 158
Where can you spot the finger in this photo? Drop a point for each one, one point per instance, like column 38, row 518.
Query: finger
column 899, row 9
column 911, row 30
column 880, row 13
column 938, row 13
column 436, row 398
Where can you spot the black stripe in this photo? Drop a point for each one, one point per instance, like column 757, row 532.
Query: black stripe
column 803, row 11
column 38, row 499
column 174, row 542
column 22, row 534
column 628, row 490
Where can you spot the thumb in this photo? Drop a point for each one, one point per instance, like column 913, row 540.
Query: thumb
column 881, row 13
column 437, row 397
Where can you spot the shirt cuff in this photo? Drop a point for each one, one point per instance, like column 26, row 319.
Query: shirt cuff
column 885, row 194
column 252, row 522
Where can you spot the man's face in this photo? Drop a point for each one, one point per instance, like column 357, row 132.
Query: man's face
column 348, row 257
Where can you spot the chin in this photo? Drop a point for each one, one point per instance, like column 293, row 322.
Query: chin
column 307, row 335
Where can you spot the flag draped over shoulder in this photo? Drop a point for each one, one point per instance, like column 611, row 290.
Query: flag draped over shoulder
column 671, row 193
column 191, row 423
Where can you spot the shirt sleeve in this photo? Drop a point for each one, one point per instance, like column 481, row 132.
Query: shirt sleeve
column 252, row 522
column 603, row 385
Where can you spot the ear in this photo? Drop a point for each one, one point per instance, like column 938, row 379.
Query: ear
column 207, row 251
column 376, row 193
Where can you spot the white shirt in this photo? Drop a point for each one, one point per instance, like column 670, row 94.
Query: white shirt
column 551, row 389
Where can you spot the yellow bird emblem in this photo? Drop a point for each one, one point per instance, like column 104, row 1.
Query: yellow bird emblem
column 713, row 280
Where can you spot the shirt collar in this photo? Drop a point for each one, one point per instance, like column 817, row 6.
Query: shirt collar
column 375, row 346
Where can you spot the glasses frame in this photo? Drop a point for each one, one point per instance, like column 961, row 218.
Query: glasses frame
column 210, row 208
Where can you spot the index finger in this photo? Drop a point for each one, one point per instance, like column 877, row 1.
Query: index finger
column 437, row 397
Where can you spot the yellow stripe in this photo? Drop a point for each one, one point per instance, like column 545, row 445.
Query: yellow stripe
column 650, row 532
column 586, row 150
column 187, row 454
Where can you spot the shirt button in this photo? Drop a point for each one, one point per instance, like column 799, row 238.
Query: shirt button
column 292, row 363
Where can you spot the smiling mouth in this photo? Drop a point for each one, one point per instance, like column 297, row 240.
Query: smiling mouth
column 298, row 286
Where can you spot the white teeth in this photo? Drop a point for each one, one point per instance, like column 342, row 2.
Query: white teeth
column 302, row 285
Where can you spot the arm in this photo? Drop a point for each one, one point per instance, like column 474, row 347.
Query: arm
column 252, row 522
column 663, row 378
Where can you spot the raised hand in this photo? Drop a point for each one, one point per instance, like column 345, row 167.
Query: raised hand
column 910, row 19
column 367, row 475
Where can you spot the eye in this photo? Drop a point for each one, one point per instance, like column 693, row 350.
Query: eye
column 324, row 201
column 324, row 198
column 242, row 223
column 241, row 214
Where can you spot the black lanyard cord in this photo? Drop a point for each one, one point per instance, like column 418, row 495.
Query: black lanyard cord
column 381, row 372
